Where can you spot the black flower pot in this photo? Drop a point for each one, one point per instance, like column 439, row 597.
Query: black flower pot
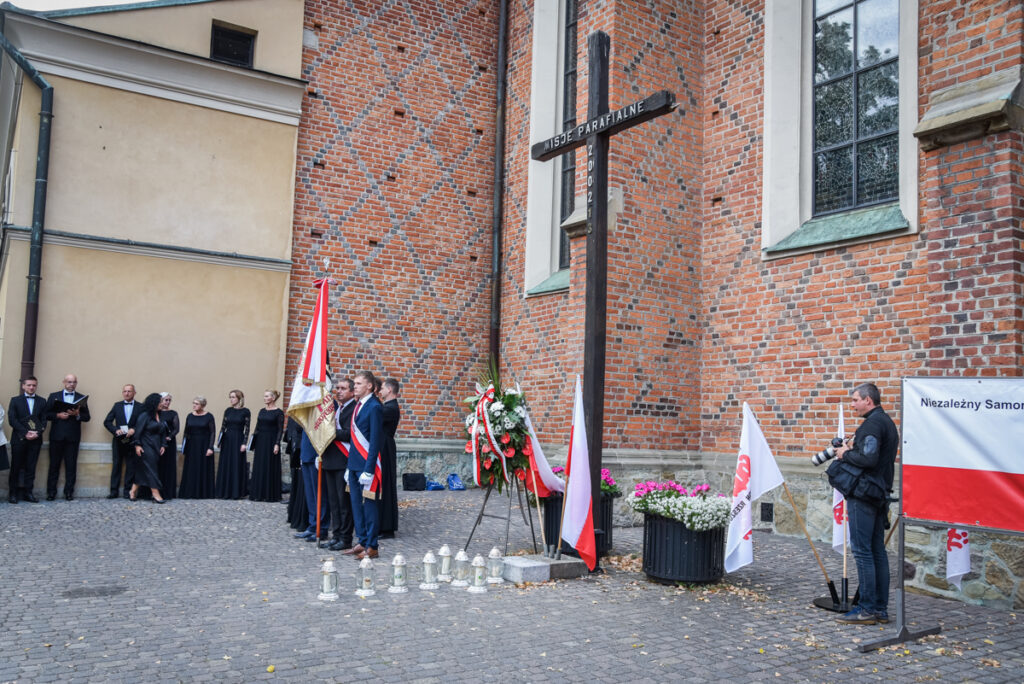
column 552, row 506
column 675, row 553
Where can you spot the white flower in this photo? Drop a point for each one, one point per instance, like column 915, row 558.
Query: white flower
column 520, row 411
column 469, row 420
column 480, row 429
column 508, row 423
column 496, row 408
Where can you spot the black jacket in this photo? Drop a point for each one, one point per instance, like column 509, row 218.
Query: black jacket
column 875, row 445
column 69, row 429
column 115, row 419
column 18, row 416
column 333, row 458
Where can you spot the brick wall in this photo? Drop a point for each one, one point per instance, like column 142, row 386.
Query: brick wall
column 394, row 186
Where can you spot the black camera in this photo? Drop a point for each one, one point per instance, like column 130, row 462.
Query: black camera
column 828, row 452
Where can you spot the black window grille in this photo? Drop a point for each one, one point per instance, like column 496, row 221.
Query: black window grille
column 568, row 184
column 232, row 46
column 856, row 104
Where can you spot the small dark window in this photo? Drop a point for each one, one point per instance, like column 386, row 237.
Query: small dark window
column 232, row 46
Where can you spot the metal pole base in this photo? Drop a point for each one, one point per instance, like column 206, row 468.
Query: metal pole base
column 903, row 635
column 826, row 603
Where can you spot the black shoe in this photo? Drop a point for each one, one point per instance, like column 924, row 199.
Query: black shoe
column 159, row 501
column 305, row 534
column 12, row 499
column 127, row 495
column 312, row 538
column 31, row 498
column 340, row 545
column 69, row 496
column 51, row 497
column 112, row 495
column 386, row 535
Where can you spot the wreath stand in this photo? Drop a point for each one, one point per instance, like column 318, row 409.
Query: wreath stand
column 523, row 510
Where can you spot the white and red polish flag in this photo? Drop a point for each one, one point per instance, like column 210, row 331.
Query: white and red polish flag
column 839, row 527
column 578, row 518
column 311, row 403
column 548, row 481
column 958, row 555
column 756, row 473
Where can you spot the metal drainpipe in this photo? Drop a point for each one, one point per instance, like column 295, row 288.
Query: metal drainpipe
column 499, row 189
column 35, row 256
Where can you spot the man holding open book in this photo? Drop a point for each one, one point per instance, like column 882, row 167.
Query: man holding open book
column 66, row 410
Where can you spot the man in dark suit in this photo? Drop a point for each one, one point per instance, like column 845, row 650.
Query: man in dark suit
column 27, row 415
column 334, row 461
column 390, row 415
column 308, row 458
column 65, row 436
column 367, row 437
column 120, row 422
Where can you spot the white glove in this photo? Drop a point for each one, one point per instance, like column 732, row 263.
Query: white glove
column 318, row 461
column 365, row 479
column 346, row 474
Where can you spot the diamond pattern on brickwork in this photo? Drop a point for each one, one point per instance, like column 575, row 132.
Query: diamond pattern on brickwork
column 410, row 301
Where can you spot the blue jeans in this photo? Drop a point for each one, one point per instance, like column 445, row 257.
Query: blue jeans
column 364, row 513
column 867, row 536
column 309, row 480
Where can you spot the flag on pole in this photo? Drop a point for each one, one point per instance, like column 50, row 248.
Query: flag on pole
column 548, row 481
column 311, row 403
column 958, row 555
column 578, row 517
column 756, row 473
column 839, row 527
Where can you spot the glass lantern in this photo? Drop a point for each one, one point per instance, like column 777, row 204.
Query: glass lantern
column 461, row 569
column 328, row 581
column 429, row 572
column 398, row 578
column 365, row 578
column 445, row 570
column 479, row 582
column 495, row 567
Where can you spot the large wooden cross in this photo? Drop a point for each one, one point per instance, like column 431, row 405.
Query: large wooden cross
column 601, row 124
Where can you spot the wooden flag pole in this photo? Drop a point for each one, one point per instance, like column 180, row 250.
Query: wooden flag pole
column 561, row 520
column 807, row 534
column 319, row 483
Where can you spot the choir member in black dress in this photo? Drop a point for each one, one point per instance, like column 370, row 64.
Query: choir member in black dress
column 148, row 440
column 167, row 466
column 197, row 444
column 389, row 417
column 266, row 449
column 233, row 469
column 298, row 512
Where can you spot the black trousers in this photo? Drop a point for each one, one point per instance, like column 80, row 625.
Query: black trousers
column 24, row 457
column 340, row 504
column 62, row 451
column 122, row 454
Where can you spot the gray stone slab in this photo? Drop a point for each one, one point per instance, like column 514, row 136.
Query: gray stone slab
column 535, row 568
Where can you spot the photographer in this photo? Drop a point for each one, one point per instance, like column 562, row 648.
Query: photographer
column 874, row 449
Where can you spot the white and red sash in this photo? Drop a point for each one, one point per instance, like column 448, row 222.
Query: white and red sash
column 482, row 416
column 362, row 445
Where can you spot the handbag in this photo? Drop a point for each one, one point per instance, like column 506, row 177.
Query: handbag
column 414, row 482
column 854, row 483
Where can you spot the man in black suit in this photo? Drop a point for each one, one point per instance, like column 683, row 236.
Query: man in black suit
column 334, row 461
column 65, row 436
column 389, row 417
column 27, row 415
column 120, row 422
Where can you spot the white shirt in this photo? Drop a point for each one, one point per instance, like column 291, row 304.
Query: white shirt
column 30, row 399
column 337, row 415
column 128, row 406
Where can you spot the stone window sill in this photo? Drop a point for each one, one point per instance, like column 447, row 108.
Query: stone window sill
column 556, row 282
column 857, row 225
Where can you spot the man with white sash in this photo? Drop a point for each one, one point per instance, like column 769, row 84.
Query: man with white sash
column 334, row 461
column 364, row 464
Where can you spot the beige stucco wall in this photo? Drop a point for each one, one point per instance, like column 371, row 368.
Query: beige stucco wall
column 132, row 166
column 186, row 28
column 163, row 324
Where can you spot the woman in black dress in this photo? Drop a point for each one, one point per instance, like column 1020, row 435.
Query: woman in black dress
column 266, row 448
column 150, row 433
column 167, row 466
column 197, row 446
column 298, row 511
column 233, row 470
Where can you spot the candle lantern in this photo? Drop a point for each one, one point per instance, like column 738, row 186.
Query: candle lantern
column 479, row 581
column 328, row 581
column 429, row 572
column 445, row 571
column 365, row 578
column 461, row 569
column 398, row 579
column 495, row 567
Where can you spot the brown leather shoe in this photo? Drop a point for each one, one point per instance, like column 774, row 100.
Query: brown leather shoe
column 368, row 553
column 354, row 551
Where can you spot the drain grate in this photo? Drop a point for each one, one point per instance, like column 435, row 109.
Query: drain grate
column 98, row 590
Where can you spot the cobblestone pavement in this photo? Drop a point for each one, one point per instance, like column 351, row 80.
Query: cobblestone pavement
column 97, row 590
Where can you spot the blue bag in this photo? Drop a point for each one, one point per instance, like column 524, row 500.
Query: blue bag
column 455, row 484
column 434, row 486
